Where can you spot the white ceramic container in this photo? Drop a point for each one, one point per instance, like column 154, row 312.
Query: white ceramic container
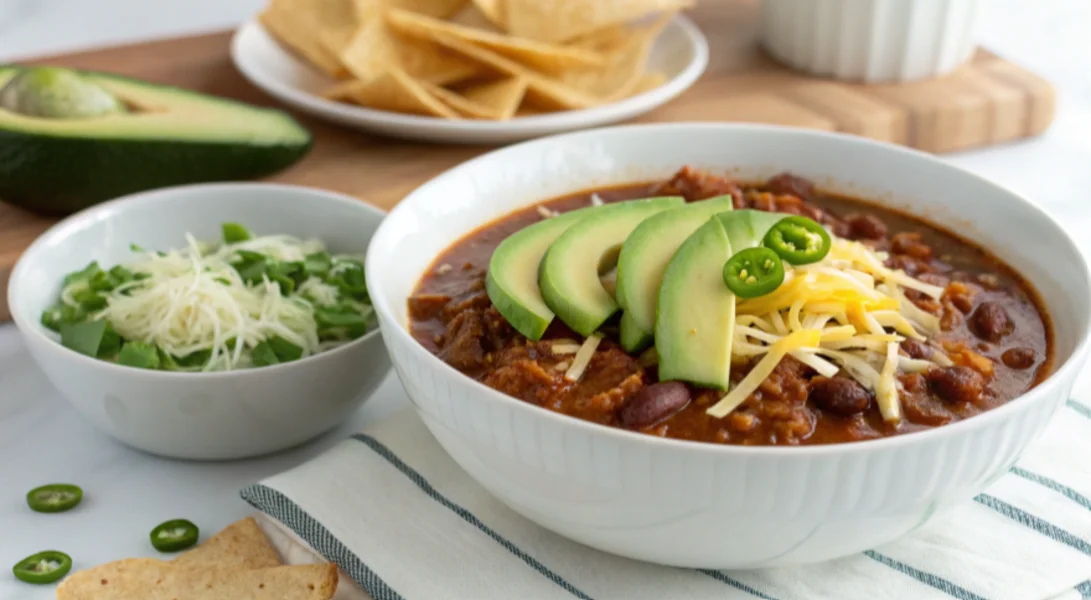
column 199, row 415
column 871, row 40
column 705, row 505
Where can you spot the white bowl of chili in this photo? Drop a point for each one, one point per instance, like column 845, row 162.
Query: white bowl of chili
column 216, row 415
column 700, row 504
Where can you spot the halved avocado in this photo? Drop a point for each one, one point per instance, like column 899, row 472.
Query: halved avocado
column 512, row 280
column 696, row 315
column 569, row 277
column 164, row 136
column 644, row 258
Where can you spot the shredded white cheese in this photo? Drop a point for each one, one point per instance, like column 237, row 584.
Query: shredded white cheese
column 191, row 302
column 583, row 357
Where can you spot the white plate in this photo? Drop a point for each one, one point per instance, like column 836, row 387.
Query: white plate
column 680, row 53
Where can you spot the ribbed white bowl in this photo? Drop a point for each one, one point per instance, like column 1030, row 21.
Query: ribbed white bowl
column 704, row 505
column 871, row 40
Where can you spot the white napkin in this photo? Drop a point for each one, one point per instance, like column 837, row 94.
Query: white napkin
column 404, row 522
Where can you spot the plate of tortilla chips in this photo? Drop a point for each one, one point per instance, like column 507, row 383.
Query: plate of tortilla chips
column 472, row 71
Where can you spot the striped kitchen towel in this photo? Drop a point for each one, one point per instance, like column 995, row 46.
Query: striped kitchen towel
column 403, row 521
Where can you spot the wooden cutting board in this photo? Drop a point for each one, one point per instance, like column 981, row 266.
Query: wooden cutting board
column 986, row 102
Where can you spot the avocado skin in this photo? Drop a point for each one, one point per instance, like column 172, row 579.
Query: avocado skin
column 56, row 174
column 60, row 175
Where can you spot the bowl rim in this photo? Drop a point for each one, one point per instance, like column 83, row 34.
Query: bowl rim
column 1064, row 371
column 60, row 231
column 670, row 88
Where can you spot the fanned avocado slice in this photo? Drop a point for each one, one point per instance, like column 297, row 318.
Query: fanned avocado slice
column 695, row 318
column 512, row 280
column 644, row 258
column 69, row 139
column 569, row 277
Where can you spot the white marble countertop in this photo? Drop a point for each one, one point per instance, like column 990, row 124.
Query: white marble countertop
column 128, row 493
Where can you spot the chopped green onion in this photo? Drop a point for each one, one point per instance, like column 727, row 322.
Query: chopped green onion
column 263, row 355
column 83, row 275
column 235, row 233
column 139, row 355
column 285, row 351
column 85, row 337
column 317, row 263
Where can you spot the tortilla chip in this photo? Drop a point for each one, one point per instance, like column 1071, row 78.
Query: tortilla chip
column 441, row 9
column 620, row 77
column 496, row 101
column 241, row 544
column 604, row 41
column 301, row 25
column 398, row 92
column 561, row 21
column 150, row 579
column 493, row 11
column 376, row 47
column 546, row 57
column 543, row 91
column 343, row 91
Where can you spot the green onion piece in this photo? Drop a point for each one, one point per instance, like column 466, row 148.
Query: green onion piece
column 89, row 299
column 136, row 248
column 253, row 272
column 338, row 318
column 263, row 355
column 317, row 263
column 85, row 337
column 249, row 256
column 83, row 275
column 287, row 284
column 194, row 359
column 111, row 342
column 139, row 355
column 103, row 281
column 284, row 350
column 166, row 361
column 235, row 233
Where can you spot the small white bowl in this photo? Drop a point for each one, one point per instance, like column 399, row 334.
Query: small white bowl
column 224, row 415
column 706, row 505
column 680, row 53
column 873, row 41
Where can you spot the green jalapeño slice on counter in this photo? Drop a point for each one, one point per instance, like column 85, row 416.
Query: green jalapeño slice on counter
column 798, row 240
column 55, row 497
column 753, row 272
column 174, row 535
column 43, row 567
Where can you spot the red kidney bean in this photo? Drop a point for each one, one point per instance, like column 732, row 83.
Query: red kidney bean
column 916, row 349
column 1019, row 358
column 866, row 227
column 654, row 403
column 991, row 322
column 956, row 384
column 786, row 183
column 839, row 395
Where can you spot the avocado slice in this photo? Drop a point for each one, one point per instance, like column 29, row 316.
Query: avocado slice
column 644, row 258
column 696, row 316
column 746, row 228
column 569, row 276
column 81, row 151
column 512, row 280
